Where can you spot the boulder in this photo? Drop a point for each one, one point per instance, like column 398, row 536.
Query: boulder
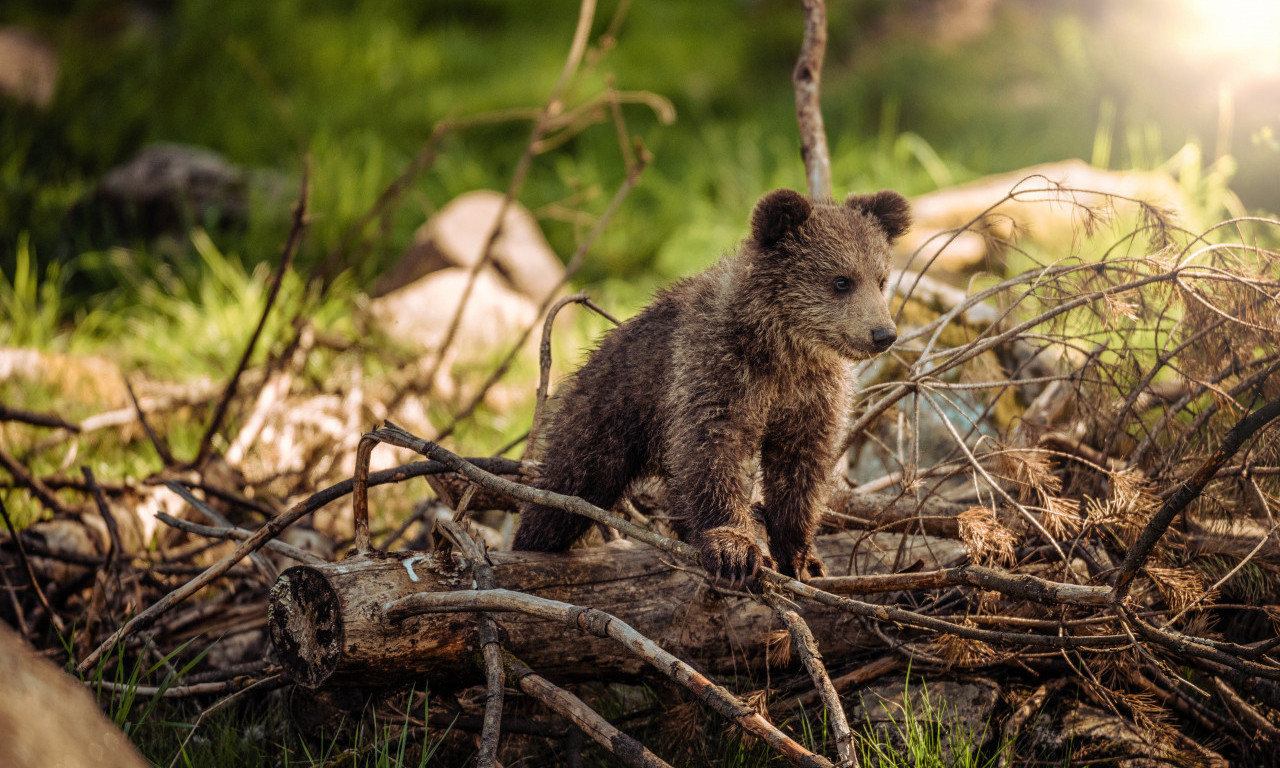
column 456, row 236
column 1040, row 215
column 420, row 313
column 28, row 67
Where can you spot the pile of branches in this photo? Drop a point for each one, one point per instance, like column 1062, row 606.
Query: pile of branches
column 1096, row 430
column 1118, row 526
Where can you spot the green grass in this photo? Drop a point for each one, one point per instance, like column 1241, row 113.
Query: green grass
column 916, row 737
column 357, row 87
column 193, row 734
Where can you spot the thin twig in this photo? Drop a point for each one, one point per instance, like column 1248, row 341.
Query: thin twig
column 1255, row 719
column 113, row 530
column 33, row 484
column 1226, row 576
column 54, row 618
column 225, row 532
column 180, row 691
column 36, row 419
column 157, row 442
column 1186, row 645
column 422, row 161
column 360, row 494
column 266, row 682
column 1020, row 585
column 544, row 369
column 286, row 261
column 264, row 566
column 490, row 646
column 553, row 106
column 861, row 674
column 575, row 263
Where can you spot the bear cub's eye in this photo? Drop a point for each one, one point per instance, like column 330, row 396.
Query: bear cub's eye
column 843, row 284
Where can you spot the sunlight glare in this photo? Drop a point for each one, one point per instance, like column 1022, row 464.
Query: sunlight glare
column 1242, row 32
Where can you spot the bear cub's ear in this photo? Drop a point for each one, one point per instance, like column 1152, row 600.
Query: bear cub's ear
column 887, row 207
column 778, row 213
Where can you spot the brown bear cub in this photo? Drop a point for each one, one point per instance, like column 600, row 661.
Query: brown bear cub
column 748, row 360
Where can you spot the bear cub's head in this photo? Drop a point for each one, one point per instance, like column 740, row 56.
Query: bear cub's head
column 826, row 265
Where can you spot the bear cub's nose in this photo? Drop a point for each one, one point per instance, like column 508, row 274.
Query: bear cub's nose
column 883, row 337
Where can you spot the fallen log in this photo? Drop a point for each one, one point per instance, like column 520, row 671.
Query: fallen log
column 328, row 626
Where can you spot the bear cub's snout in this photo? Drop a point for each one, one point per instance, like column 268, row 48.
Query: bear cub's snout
column 882, row 337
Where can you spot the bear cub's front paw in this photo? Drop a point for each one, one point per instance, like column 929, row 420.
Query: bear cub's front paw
column 731, row 553
column 802, row 564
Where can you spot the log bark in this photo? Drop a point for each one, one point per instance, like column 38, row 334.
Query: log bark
column 327, row 624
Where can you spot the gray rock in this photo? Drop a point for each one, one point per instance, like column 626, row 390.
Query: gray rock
column 936, row 443
column 167, row 188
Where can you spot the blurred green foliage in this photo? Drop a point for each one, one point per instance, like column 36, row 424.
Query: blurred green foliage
column 357, row 86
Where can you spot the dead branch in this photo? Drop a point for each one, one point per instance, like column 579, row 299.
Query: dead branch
column 807, row 80
column 804, row 644
column 625, row 748
column 36, row 419
column 324, row 619
column 1189, row 490
column 268, row 531
column 602, row 624
column 397, row 436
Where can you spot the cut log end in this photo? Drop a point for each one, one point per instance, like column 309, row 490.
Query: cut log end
column 306, row 625
column 327, row 625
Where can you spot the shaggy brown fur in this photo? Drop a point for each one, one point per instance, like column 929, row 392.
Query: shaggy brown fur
column 747, row 360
